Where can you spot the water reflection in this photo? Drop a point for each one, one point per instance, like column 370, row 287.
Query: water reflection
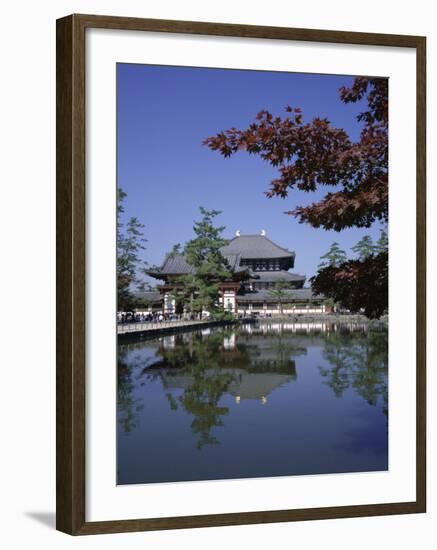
column 208, row 365
column 207, row 376
column 128, row 406
column 357, row 360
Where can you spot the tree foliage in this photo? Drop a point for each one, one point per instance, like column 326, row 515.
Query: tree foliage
column 203, row 252
column 356, row 284
column 334, row 257
column 360, row 284
column 314, row 154
column 364, row 247
column 382, row 242
column 130, row 242
column 199, row 290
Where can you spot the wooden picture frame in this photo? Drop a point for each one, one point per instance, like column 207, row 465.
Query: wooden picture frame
column 71, row 253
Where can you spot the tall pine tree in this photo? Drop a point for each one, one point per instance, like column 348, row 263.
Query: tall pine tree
column 364, row 247
column 334, row 257
column 199, row 291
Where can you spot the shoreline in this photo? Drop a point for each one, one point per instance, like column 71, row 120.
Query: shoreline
column 146, row 332
column 331, row 318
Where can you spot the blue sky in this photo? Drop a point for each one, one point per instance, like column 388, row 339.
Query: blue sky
column 164, row 113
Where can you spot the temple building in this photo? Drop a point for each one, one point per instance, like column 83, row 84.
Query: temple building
column 256, row 264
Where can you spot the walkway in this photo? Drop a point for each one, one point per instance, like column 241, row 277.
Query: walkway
column 125, row 329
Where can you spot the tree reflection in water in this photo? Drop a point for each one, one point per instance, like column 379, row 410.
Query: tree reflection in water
column 199, row 361
column 358, row 360
column 202, row 368
column 221, row 362
column 128, row 407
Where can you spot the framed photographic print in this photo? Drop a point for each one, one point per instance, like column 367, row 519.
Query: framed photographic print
column 240, row 274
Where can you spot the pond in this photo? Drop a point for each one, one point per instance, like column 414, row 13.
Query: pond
column 255, row 400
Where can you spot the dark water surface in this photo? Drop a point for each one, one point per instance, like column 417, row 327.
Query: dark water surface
column 268, row 399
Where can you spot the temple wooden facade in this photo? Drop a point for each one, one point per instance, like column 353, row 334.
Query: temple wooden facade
column 256, row 264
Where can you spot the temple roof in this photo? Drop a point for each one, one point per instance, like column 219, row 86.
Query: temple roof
column 233, row 260
column 239, row 248
column 255, row 246
column 176, row 264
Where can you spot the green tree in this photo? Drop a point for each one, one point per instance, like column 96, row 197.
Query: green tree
column 199, row 290
column 358, row 285
column 280, row 292
column 364, row 248
column 130, row 242
column 329, row 302
column 334, row 257
column 382, row 242
column 203, row 252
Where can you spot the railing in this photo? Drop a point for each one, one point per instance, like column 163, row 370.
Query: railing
column 143, row 326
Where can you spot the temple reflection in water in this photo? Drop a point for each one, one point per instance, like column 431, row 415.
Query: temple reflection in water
column 253, row 365
column 239, row 389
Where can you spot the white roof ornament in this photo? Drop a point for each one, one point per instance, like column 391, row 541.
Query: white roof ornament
column 263, row 233
column 238, row 233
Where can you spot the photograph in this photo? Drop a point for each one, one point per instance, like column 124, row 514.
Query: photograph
column 222, row 212
column 252, row 273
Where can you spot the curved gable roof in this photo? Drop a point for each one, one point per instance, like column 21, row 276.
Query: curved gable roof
column 255, row 246
column 176, row 264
